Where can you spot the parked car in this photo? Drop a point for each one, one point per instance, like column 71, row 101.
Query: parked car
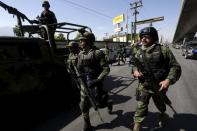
column 189, row 49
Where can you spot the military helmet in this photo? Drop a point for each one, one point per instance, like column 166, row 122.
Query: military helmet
column 45, row 3
column 88, row 36
column 151, row 31
column 73, row 44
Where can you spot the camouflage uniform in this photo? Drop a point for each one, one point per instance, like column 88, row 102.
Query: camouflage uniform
column 72, row 59
column 93, row 68
column 107, row 55
column 121, row 55
column 47, row 17
column 70, row 62
column 124, row 52
column 73, row 56
column 164, row 66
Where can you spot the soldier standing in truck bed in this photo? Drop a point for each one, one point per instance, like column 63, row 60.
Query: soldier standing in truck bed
column 47, row 17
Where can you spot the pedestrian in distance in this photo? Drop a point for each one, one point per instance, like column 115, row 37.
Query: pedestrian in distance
column 121, row 55
column 156, row 69
column 107, row 54
column 124, row 52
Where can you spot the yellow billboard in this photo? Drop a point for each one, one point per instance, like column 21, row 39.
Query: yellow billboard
column 118, row 19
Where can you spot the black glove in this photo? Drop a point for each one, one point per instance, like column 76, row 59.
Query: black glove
column 93, row 83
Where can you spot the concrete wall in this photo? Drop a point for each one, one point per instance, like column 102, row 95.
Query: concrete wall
column 111, row 45
column 99, row 44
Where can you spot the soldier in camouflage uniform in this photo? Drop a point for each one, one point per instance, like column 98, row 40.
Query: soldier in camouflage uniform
column 121, row 54
column 93, row 68
column 107, row 54
column 70, row 62
column 47, row 17
column 165, row 69
column 73, row 56
column 124, row 52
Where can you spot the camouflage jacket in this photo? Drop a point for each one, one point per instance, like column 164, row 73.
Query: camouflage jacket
column 48, row 17
column 72, row 60
column 93, row 61
column 160, row 59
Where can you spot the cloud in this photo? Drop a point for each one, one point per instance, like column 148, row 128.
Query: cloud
column 6, row 31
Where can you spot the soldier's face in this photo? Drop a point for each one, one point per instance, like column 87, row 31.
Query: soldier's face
column 82, row 44
column 147, row 40
column 46, row 7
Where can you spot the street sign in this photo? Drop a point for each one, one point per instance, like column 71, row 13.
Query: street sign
column 149, row 20
column 118, row 19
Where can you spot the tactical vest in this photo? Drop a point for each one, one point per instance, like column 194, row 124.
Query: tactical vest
column 156, row 61
column 89, row 64
column 72, row 59
column 48, row 17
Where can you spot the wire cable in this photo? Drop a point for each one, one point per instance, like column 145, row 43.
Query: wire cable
column 91, row 10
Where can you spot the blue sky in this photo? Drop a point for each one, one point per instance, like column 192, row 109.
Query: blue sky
column 100, row 22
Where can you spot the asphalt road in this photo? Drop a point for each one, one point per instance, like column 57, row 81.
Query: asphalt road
column 122, row 86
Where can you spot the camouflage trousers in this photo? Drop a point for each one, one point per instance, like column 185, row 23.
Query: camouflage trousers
column 143, row 97
column 100, row 99
column 121, row 58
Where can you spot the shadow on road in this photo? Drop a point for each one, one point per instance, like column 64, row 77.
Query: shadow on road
column 117, row 83
column 179, row 122
column 186, row 122
column 122, row 119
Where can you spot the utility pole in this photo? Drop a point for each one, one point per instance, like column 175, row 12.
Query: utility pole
column 127, row 27
column 135, row 6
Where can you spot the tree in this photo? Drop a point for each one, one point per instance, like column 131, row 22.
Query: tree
column 77, row 36
column 60, row 37
column 16, row 31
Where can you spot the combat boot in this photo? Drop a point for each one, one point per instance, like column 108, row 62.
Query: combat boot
column 136, row 127
column 110, row 106
column 87, row 125
column 163, row 118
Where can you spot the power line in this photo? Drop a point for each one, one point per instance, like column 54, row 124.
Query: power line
column 91, row 10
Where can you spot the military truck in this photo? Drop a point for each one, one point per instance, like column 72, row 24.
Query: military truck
column 33, row 78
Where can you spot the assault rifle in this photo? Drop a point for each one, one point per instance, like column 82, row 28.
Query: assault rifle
column 80, row 84
column 149, row 77
column 16, row 13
